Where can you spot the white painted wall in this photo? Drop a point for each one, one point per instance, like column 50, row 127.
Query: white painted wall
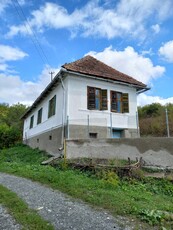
column 76, row 107
column 77, row 104
column 47, row 123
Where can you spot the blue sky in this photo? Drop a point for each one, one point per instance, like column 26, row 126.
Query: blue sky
column 37, row 37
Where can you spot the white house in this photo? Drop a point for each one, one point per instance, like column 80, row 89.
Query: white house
column 86, row 99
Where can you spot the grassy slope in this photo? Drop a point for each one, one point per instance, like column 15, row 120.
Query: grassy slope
column 138, row 199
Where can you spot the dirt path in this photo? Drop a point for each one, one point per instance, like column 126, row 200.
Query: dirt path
column 61, row 210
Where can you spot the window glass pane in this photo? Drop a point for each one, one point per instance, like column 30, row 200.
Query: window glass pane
column 97, row 103
column 116, row 102
column 119, row 106
column 52, row 107
column 97, row 99
column 39, row 116
column 119, row 103
column 118, row 96
column 97, row 92
column 31, row 122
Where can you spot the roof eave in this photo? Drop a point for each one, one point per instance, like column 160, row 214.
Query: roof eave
column 138, row 87
column 142, row 90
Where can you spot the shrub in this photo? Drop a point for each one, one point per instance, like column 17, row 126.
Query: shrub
column 9, row 136
column 108, row 176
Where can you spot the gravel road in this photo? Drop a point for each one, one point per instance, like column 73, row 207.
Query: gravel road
column 6, row 221
column 59, row 209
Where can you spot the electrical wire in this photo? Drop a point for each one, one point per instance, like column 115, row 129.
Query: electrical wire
column 29, row 29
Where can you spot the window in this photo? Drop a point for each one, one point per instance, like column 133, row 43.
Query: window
column 39, row 116
column 52, row 106
column 31, row 122
column 97, row 98
column 93, row 135
column 119, row 102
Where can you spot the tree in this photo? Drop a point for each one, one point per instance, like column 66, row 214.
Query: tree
column 13, row 118
column 151, row 110
column 11, row 124
column 152, row 120
column 3, row 112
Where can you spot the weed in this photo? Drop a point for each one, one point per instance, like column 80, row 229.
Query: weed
column 152, row 216
column 137, row 174
column 109, row 177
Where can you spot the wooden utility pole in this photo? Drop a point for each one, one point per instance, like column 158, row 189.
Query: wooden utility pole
column 167, row 122
column 51, row 75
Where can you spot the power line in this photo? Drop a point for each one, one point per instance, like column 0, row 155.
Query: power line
column 29, row 29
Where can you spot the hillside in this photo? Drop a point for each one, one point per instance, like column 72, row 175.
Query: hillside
column 152, row 120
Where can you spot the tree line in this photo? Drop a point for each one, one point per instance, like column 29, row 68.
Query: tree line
column 152, row 120
column 11, row 124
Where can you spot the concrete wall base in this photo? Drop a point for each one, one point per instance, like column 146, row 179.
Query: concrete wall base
column 49, row 141
column 83, row 132
column 154, row 151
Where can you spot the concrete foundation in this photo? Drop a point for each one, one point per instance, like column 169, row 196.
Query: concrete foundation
column 83, row 132
column 49, row 141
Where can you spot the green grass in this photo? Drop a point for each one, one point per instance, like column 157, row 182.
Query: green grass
column 25, row 216
column 146, row 200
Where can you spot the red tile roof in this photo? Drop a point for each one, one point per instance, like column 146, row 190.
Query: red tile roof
column 91, row 66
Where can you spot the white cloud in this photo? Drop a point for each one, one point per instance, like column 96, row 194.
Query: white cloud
column 147, row 52
column 155, row 28
column 3, row 66
column 3, row 5
column 22, row 2
column 144, row 99
column 166, row 51
column 14, row 90
column 8, row 53
column 108, row 20
column 130, row 62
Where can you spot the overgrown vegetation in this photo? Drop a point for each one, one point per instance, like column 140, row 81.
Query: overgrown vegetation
column 11, row 124
column 146, row 199
column 152, row 120
column 26, row 217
